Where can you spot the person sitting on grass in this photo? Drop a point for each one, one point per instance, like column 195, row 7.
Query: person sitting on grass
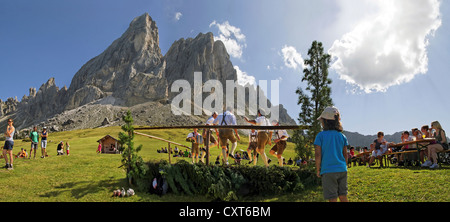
column 22, row 153
column 378, row 148
column 237, row 158
column 60, row 149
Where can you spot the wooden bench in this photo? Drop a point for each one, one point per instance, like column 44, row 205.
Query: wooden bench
column 440, row 160
column 397, row 153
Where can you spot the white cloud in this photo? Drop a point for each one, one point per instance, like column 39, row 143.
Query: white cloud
column 389, row 46
column 243, row 78
column 292, row 58
column 177, row 16
column 232, row 38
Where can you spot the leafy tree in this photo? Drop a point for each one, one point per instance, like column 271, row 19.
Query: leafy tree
column 131, row 161
column 314, row 99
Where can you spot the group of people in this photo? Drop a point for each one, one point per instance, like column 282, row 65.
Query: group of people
column 331, row 156
column 257, row 139
column 380, row 147
column 34, row 137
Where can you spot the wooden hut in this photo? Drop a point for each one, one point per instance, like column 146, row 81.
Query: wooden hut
column 109, row 144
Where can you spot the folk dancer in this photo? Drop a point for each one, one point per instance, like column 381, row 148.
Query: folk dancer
column 264, row 137
column 280, row 143
column 227, row 118
column 252, row 144
column 196, row 140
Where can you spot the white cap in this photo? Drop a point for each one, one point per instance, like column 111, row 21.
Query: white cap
column 329, row 113
column 262, row 111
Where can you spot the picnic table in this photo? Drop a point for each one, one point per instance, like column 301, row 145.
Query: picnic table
column 363, row 153
column 420, row 144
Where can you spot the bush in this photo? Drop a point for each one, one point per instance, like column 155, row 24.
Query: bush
column 231, row 182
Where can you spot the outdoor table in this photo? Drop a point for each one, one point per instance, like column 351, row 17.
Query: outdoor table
column 420, row 144
column 363, row 153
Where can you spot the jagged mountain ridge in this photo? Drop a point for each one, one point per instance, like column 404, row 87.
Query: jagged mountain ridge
column 130, row 74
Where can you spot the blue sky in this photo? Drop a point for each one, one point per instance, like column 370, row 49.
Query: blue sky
column 384, row 77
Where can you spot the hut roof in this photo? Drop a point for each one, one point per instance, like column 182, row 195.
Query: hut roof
column 107, row 137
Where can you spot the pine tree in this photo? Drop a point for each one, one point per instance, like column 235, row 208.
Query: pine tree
column 131, row 161
column 314, row 99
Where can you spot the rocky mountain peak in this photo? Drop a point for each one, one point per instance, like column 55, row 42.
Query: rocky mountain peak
column 136, row 51
column 130, row 73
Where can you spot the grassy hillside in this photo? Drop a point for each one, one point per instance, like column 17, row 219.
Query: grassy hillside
column 87, row 176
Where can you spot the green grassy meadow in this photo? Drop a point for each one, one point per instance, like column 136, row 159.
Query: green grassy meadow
column 85, row 176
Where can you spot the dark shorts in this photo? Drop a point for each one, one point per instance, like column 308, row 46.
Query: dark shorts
column 226, row 134
column 212, row 139
column 34, row 145
column 263, row 139
column 195, row 148
column 8, row 145
column 334, row 185
column 279, row 147
column 252, row 146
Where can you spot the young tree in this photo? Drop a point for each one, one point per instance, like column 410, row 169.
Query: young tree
column 314, row 99
column 131, row 161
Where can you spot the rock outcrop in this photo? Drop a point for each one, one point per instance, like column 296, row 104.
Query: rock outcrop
column 130, row 74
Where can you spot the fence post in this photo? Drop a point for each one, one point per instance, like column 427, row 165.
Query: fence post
column 208, row 133
column 170, row 156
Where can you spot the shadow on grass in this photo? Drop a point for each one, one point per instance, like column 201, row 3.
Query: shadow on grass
column 80, row 189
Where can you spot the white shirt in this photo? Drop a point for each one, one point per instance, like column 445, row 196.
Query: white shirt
column 230, row 119
column 281, row 133
column 210, row 121
column 262, row 121
column 194, row 135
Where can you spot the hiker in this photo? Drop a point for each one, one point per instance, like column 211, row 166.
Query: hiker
column 196, row 139
column 227, row 118
column 212, row 139
column 263, row 136
column 280, row 143
column 68, row 146
column 99, row 148
column 60, row 149
column 9, row 144
column 252, row 144
column 440, row 145
column 331, row 156
column 44, row 137
column 34, row 136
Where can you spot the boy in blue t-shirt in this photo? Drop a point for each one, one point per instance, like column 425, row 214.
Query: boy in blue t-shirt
column 331, row 156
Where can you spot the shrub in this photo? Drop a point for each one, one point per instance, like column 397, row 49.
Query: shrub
column 230, row 182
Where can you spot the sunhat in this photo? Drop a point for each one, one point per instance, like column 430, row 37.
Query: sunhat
column 329, row 113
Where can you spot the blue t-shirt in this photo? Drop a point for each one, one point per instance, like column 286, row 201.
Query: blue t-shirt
column 332, row 143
